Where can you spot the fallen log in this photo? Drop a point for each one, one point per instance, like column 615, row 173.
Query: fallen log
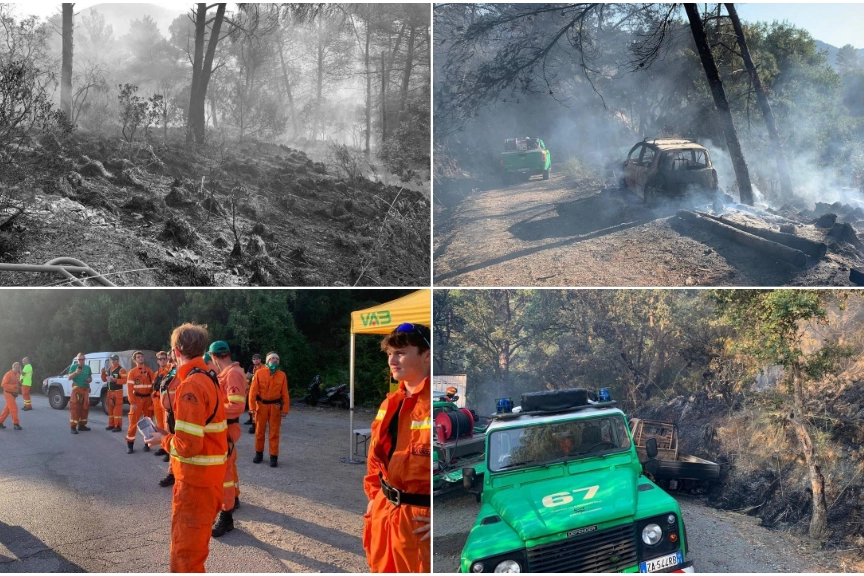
column 768, row 247
column 815, row 250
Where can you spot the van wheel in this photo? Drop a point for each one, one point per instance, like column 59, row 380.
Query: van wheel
column 546, row 173
column 104, row 400
column 56, row 398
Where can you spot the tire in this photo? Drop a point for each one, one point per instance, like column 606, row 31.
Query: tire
column 104, row 400
column 547, row 172
column 341, row 402
column 56, row 398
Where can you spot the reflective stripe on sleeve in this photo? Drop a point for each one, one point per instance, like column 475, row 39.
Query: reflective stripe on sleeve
column 381, row 414
column 214, row 460
column 189, row 428
column 236, row 398
column 216, row 427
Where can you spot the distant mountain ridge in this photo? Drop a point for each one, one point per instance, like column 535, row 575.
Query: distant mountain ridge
column 120, row 15
column 832, row 52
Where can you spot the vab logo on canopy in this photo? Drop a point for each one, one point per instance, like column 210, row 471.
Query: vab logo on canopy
column 380, row 318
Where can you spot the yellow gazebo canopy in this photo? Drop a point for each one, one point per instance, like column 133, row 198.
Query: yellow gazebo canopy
column 415, row 308
column 382, row 319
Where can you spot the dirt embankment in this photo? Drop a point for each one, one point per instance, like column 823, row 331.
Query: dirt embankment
column 252, row 214
column 582, row 232
column 763, row 473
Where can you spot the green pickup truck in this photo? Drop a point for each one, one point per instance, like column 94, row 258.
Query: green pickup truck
column 523, row 158
column 563, row 491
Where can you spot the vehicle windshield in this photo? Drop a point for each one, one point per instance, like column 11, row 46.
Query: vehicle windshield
column 545, row 444
column 690, row 159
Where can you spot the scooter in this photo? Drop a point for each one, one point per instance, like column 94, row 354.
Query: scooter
column 334, row 396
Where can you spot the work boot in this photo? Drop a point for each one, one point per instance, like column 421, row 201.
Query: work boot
column 118, row 429
column 252, row 429
column 161, row 452
column 130, row 447
column 17, row 427
column 273, row 461
column 2, row 426
column 167, row 458
column 146, row 448
column 236, row 504
column 26, row 408
column 259, row 456
column 224, row 523
column 167, row 480
column 74, row 430
column 83, row 428
column 109, row 428
column 248, row 422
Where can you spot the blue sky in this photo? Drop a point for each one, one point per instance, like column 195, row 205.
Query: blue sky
column 836, row 24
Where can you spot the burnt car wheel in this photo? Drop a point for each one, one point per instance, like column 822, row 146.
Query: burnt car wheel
column 650, row 195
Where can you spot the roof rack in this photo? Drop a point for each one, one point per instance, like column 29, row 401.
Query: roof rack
column 591, row 404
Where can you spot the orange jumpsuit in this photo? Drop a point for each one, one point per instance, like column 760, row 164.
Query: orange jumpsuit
column 268, row 398
column 388, row 530
column 115, row 394
column 233, row 382
column 139, row 390
column 11, row 387
column 198, row 448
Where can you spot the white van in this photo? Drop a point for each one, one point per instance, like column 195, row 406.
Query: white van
column 59, row 388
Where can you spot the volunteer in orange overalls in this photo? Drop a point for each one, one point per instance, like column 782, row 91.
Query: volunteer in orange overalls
column 115, row 376
column 233, row 383
column 158, row 409
column 198, row 448
column 139, row 390
column 396, row 524
column 269, row 401
column 79, row 403
column 11, row 388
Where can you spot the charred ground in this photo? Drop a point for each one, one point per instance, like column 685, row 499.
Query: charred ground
column 236, row 214
column 581, row 230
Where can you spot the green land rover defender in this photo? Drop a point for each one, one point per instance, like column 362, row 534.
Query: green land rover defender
column 563, row 491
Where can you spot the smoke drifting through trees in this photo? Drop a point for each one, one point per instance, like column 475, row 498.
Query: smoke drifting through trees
column 593, row 79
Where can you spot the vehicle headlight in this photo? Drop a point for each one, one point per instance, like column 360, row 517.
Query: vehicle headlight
column 508, row 566
column 477, row 567
column 652, row 534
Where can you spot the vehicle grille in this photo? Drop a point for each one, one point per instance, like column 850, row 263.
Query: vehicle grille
column 611, row 550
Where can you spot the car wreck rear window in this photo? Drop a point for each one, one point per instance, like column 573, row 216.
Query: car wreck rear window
column 556, row 442
column 676, row 160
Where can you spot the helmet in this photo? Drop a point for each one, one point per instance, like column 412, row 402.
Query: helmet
column 451, row 390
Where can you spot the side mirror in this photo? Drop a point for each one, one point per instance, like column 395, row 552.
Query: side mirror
column 651, row 447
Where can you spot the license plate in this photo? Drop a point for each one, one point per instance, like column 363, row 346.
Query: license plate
column 525, row 170
column 661, row 563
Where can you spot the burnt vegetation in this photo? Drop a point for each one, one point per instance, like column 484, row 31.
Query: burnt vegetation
column 275, row 145
column 783, row 120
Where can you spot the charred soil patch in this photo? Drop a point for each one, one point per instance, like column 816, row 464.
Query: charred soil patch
column 565, row 232
column 171, row 215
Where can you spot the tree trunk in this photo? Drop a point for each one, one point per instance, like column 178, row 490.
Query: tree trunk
column 66, row 66
column 409, row 62
column 202, row 68
column 288, row 93
column 764, row 105
column 819, row 518
column 368, row 91
column 742, row 174
column 383, row 100
column 319, row 87
column 213, row 111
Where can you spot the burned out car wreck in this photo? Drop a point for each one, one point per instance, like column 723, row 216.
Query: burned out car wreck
column 657, row 168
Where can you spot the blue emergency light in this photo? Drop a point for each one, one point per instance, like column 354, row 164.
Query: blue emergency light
column 603, row 395
column 504, row 405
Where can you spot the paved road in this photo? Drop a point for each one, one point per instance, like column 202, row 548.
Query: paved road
column 81, row 504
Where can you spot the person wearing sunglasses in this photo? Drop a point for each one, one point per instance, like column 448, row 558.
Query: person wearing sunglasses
column 396, row 524
column 79, row 403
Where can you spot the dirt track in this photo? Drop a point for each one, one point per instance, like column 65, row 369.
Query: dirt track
column 562, row 233
column 719, row 541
